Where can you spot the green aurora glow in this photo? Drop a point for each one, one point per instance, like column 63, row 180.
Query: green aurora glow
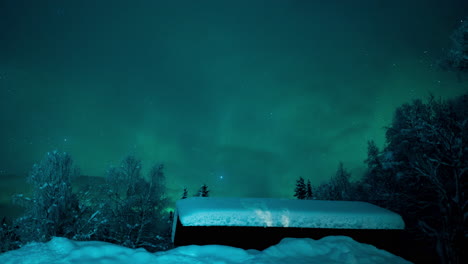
column 258, row 92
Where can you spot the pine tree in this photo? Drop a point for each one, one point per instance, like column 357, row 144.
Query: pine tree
column 185, row 194
column 309, row 191
column 203, row 191
column 301, row 189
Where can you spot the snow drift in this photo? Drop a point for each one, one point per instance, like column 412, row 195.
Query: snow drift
column 334, row 249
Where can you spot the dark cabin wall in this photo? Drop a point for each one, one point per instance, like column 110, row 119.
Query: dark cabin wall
column 262, row 237
column 397, row 242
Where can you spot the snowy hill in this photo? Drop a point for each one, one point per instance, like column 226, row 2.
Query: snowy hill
column 335, row 249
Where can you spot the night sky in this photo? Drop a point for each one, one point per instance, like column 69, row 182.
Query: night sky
column 245, row 96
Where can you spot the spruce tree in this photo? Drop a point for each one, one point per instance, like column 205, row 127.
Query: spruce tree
column 301, row 190
column 185, row 194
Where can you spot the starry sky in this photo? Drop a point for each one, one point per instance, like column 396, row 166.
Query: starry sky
column 243, row 95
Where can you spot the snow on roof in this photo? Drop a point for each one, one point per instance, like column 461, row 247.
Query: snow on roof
column 333, row 249
column 268, row 212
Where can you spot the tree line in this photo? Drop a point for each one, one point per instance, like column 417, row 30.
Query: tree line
column 422, row 170
column 203, row 191
column 128, row 209
column 421, row 173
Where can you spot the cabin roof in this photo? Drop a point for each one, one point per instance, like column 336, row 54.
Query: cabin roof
column 269, row 212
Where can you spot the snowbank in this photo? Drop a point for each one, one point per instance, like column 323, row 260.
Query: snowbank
column 208, row 211
column 334, row 249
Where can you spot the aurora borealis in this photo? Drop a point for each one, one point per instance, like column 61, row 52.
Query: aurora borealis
column 245, row 96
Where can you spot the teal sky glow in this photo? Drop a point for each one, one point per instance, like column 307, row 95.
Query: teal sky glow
column 245, row 96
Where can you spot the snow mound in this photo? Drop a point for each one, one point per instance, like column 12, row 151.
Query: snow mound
column 269, row 212
column 333, row 249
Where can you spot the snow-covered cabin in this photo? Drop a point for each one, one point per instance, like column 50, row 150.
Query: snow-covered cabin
column 256, row 223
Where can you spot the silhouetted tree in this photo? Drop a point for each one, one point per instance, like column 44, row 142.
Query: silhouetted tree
column 300, row 192
column 309, row 194
column 185, row 194
column 337, row 188
column 323, row 191
column 340, row 187
column 203, row 191
column 427, row 154
column 379, row 185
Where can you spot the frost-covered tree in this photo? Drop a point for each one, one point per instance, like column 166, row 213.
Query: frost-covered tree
column 124, row 179
column 53, row 208
column 133, row 210
column 203, row 191
column 300, row 192
column 427, row 154
column 185, row 193
column 457, row 57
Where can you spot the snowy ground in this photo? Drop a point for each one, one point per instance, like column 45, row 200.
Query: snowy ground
column 333, row 249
